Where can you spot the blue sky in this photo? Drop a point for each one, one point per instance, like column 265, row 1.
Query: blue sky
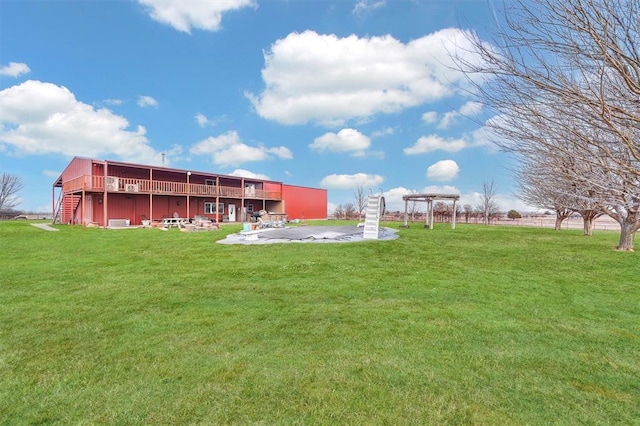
column 320, row 93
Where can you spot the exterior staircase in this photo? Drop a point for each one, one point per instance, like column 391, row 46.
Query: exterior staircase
column 66, row 208
column 375, row 209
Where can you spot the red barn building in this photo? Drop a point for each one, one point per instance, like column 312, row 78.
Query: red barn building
column 98, row 191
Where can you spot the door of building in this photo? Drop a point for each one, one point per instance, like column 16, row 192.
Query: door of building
column 232, row 212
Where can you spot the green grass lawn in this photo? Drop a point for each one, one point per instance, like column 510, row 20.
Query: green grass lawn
column 481, row 325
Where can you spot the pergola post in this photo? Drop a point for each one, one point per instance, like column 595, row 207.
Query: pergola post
column 406, row 214
column 430, row 213
column 453, row 218
column 426, row 216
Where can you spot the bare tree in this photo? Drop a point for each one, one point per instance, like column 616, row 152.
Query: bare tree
column 539, row 185
column 360, row 195
column 488, row 206
column 468, row 212
column 565, row 82
column 338, row 213
column 10, row 186
column 350, row 211
column 588, row 214
column 442, row 211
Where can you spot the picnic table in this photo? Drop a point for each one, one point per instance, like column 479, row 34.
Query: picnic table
column 178, row 222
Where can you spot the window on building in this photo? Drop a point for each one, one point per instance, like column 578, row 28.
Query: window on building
column 210, row 208
column 209, row 182
column 250, row 189
column 249, row 207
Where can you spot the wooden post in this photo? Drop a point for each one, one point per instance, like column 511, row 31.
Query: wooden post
column 217, row 197
column 104, row 197
column 84, row 184
column 151, row 195
column 188, row 192
column 406, row 213
column 430, row 213
column 426, row 214
column 453, row 218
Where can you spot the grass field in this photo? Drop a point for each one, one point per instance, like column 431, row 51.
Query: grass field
column 481, row 325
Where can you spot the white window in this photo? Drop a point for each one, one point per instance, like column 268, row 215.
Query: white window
column 250, row 189
column 249, row 207
column 210, row 208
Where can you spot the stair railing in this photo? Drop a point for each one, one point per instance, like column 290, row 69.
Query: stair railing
column 58, row 208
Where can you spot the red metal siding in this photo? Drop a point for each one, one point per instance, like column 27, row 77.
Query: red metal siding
column 304, row 203
column 98, row 169
column 78, row 167
column 130, row 172
column 272, row 186
column 132, row 207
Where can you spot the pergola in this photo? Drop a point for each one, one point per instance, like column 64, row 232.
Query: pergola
column 429, row 198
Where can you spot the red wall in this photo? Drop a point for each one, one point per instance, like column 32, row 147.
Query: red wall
column 132, row 207
column 272, row 186
column 78, row 167
column 304, row 203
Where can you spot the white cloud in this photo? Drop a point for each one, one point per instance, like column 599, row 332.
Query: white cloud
column 507, row 202
column 448, row 119
column 113, row 102
column 203, row 121
column 434, row 143
column 356, row 78
column 393, row 198
column 443, row 170
column 147, row 101
column 51, row 173
column 15, row 69
column 331, row 207
column 351, row 181
column 483, row 136
column 487, row 136
column 228, row 150
column 346, row 140
column 471, row 109
column 363, row 6
column 187, row 15
column 430, row 117
column 439, row 189
column 383, row 132
column 281, row 152
column 43, row 118
column 248, row 174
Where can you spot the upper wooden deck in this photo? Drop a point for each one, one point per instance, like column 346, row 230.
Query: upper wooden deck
column 114, row 184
